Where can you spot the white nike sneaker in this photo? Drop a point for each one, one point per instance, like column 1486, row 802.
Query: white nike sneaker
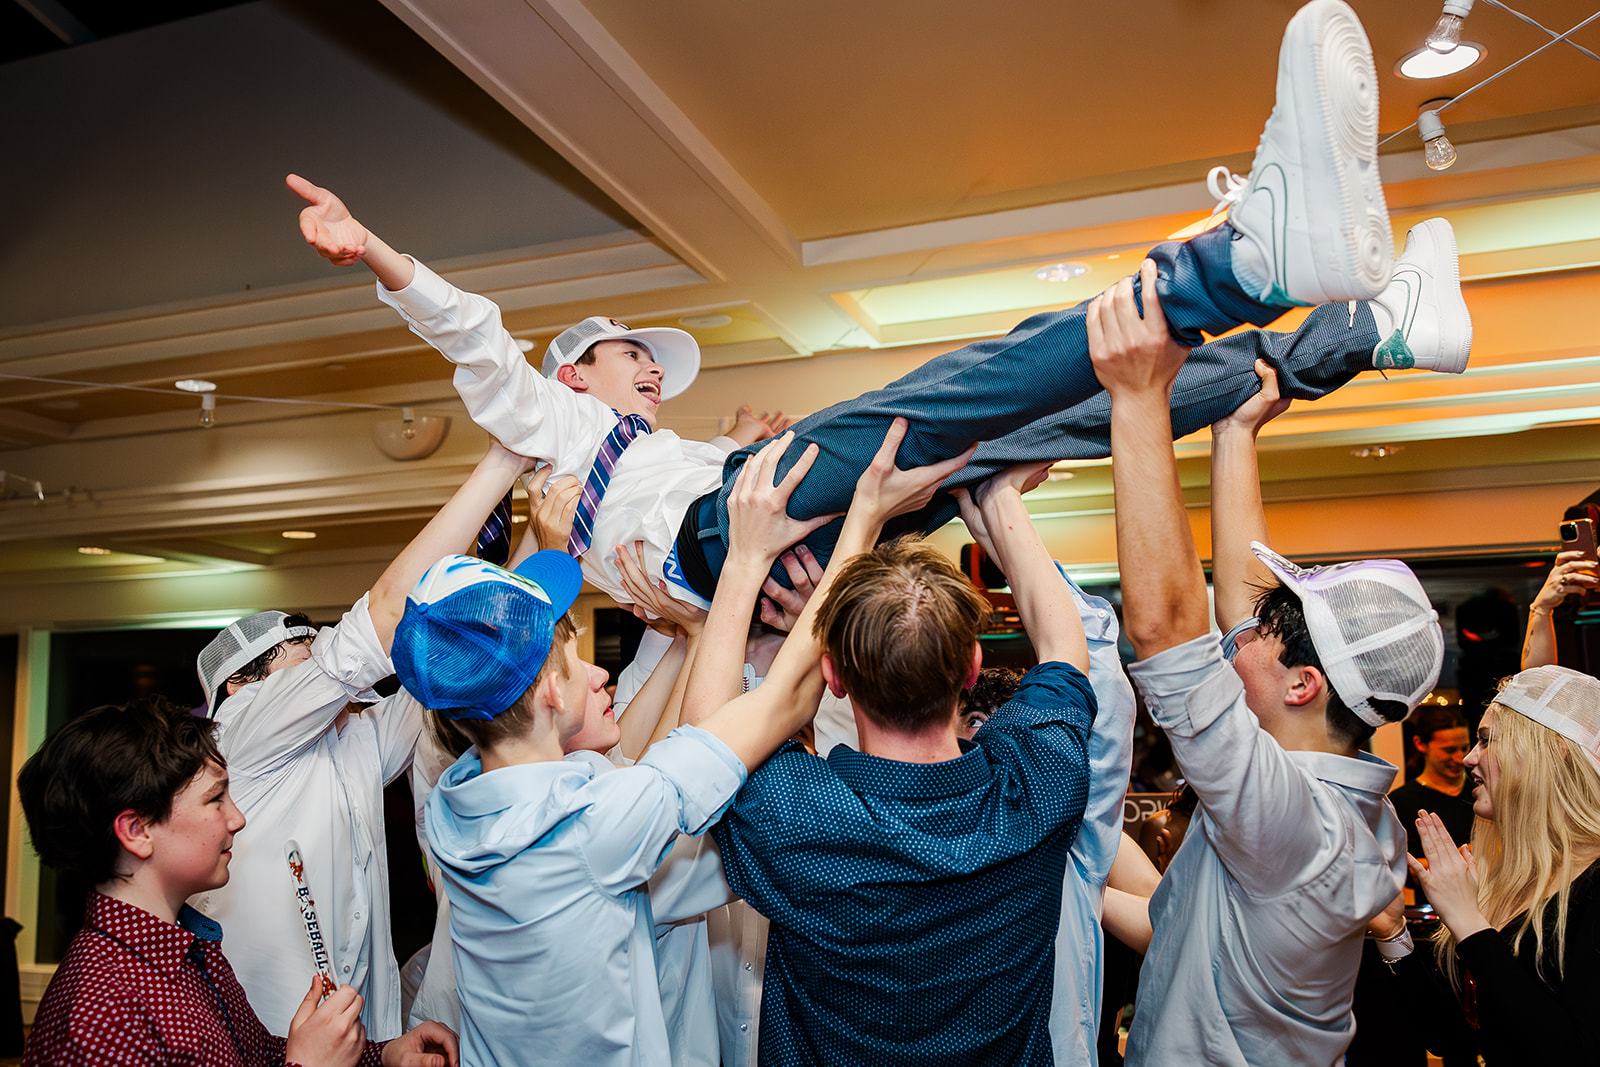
column 1422, row 319
column 1310, row 223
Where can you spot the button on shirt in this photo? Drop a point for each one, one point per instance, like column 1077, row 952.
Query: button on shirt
column 1259, row 921
column 296, row 775
column 656, row 478
column 138, row 991
column 914, row 906
column 545, row 866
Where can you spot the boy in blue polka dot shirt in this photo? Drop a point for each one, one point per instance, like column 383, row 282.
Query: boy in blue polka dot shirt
column 914, row 886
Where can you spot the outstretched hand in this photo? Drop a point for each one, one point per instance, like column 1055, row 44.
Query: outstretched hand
column 652, row 602
column 884, row 490
column 554, row 506
column 328, row 225
column 1259, row 410
column 748, row 427
column 759, row 526
column 1133, row 353
column 1450, row 877
column 780, row 606
column 1023, row 478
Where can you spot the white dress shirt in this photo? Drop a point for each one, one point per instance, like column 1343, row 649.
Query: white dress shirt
column 657, row 476
column 1259, row 921
column 296, row 775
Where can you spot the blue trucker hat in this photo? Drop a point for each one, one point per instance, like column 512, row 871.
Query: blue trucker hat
column 474, row 636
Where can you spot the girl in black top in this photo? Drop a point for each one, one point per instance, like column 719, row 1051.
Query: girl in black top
column 1521, row 904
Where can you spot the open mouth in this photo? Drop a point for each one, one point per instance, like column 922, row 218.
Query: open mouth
column 650, row 390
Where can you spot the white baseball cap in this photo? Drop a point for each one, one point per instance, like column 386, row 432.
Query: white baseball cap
column 673, row 350
column 242, row 641
column 1372, row 626
column 1559, row 699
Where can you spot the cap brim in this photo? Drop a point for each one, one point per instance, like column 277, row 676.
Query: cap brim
column 1288, row 572
column 557, row 573
column 675, row 351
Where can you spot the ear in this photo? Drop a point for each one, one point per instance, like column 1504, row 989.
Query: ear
column 549, row 692
column 830, row 675
column 1305, row 685
column 232, row 687
column 133, row 833
column 570, row 376
column 1419, row 744
column 1164, row 849
column 977, row 665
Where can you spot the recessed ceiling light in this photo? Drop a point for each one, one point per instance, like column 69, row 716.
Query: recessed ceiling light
column 524, row 344
column 1053, row 475
column 1060, row 272
column 1376, row 451
column 1425, row 63
column 91, row 550
column 196, row 385
column 713, row 321
column 300, row 535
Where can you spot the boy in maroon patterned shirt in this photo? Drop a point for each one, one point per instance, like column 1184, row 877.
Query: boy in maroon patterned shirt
column 135, row 800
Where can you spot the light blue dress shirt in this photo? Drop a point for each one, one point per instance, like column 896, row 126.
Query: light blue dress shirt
column 1258, row 923
column 1080, row 945
column 550, row 921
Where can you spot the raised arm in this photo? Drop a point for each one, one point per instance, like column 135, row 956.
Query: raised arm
column 450, row 531
column 1237, row 516
column 1001, row 523
column 1571, row 574
column 755, row 724
column 759, row 528
column 328, row 226
column 1163, row 588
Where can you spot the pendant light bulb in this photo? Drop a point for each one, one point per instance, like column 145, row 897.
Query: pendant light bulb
column 208, row 407
column 1446, row 33
column 1437, row 151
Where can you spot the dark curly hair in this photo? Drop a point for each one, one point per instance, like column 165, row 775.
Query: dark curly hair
column 106, row 761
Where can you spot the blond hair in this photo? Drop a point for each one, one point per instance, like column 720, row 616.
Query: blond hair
column 1545, row 832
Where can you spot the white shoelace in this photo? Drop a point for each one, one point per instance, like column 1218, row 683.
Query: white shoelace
column 1227, row 187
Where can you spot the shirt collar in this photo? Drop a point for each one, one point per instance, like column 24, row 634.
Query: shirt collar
column 161, row 944
column 911, row 781
column 1366, row 772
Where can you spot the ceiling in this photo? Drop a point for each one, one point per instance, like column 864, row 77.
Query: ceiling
column 872, row 183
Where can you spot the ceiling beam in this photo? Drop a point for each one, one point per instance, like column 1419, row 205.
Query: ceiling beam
column 58, row 20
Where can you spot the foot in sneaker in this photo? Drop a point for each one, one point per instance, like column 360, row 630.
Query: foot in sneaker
column 1310, row 225
column 1422, row 319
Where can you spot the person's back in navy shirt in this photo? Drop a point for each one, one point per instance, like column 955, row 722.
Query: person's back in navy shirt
column 914, row 906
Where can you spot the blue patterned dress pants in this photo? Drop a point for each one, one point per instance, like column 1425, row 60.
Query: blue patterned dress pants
column 1032, row 394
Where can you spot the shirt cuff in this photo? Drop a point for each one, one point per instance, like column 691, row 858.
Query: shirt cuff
column 1186, row 687
column 351, row 654
column 424, row 297
column 724, row 443
column 704, row 770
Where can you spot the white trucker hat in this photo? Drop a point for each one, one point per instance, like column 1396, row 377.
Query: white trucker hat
column 1559, row 699
column 673, row 350
column 1372, row 626
column 238, row 644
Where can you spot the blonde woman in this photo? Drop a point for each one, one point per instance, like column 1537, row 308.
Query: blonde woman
column 1521, row 905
